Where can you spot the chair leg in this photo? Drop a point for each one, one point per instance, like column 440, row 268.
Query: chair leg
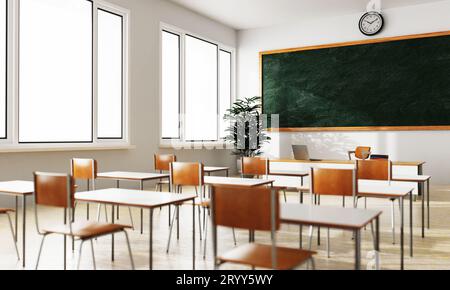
column 285, row 197
column 393, row 221
column 205, row 237
column 311, row 233
column 93, row 255
column 200, row 222
column 13, row 236
column 129, row 250
column 328, row 243
column 99, row 208
column 40, row 252
column 171, row 230
column 80, row 252
column 131, row 218
column 106, row 213
column 313, row 264
column 234, row 237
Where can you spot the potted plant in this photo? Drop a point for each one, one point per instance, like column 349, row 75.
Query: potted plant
column 246, row 131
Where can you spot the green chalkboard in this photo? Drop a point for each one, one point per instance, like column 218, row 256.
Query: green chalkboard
column 393, row 83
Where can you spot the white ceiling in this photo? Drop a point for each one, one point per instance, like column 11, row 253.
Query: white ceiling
column 247, row 14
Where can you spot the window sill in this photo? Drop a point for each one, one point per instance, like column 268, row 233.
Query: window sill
column 62, row 148
column 195, row 145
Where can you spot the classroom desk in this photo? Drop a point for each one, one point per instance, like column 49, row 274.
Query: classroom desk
column 18, row 189
column 337, row 218
column 235, row 181
column 132, row 176
column 421, row 180
column 139, row 199
column 212, row 169
column 372, row 189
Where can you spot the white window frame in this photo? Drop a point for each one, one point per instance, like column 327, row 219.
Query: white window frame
column 182, row 143
column 12, row 144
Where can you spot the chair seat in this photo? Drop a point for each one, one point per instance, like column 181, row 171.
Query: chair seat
column 261, row 256
column 86, row 230
column 199, row 202
column 6, row 210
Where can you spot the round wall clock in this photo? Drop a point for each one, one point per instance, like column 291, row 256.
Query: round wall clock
column 371, row 23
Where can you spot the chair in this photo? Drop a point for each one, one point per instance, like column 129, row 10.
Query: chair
column 162, row 164
column 57, row 191
column 378, row 169
column 361, row 153
column 6, row 211
column 254, row 209
column 332, row 182
column 86, row 170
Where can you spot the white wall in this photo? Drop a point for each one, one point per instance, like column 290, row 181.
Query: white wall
column 432, row 147
column 146, row 16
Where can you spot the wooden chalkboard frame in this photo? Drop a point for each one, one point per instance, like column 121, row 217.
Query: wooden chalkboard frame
column 344, row 44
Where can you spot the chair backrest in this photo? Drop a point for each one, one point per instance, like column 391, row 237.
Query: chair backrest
column 380, row 169
column 84, row 169
column 54, row 190
column 162, row 161
column 362, row 152
column 255, row 166
column 186, row 174
column 338, row 182
column 245, row 208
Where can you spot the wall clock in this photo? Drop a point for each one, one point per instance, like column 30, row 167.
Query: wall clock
column 371, row 23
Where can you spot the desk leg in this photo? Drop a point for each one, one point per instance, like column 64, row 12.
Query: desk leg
column 402, row 238
column 301, row 202
column 411, row 224
column 142, row 211
column 428, row 203
column 118, row 207
column 377, row 243
column 423, row 216
column 24, row 229
column 112, row 236
column 420, row 185
column 151, row 239
column 193, row 235
column 358, row 250
column 16, row 222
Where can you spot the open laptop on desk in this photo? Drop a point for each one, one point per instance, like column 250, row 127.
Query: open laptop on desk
column 301, row 153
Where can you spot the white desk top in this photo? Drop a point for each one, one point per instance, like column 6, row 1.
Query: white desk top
column 140, row 176
column 17, row 187
column 382, row 189
column 133, row 198
column 292, row 173
column 215, row 169
column 250, row 182
column 333, row 217
column 411, row 178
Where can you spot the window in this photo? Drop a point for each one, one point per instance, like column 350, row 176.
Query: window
column 196, row 87
column 170, row 85
column 3, row 67
column 110, row 78
column 201, row 90
column 225, row 87
column 55, row 102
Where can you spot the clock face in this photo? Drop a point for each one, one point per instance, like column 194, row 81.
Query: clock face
column 371, row 23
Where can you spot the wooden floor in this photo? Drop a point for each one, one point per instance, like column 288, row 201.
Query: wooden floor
column 433, row 252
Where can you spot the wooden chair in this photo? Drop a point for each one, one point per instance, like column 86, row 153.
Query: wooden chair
column 378, row 169
column 5, row 212
column 57, row 191
column 254, row 209
column 362, row 153
column 162, row 164
column 257, row 167
column 332, row 182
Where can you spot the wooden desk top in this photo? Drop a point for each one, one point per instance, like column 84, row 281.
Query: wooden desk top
column 249, row 182
column 210, row 169
column 136, row 176
column 17, row 187
column 332, row 217
column 133, row 198
column 395, row 163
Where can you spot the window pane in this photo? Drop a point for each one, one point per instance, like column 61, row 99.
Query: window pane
column 110, row 82
column 55, row 71
column 225, row 90
column 201, row 90
column 170, row 113
column 3, row 66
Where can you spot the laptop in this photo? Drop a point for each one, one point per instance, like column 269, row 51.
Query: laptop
column 301, row 153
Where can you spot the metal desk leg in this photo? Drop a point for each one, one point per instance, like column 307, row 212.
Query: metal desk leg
column 411, row 224
column 142, row 211
column 357, row 250
column 24, row 228
column 193, row 235
column 428, row 203
column 118, row 207
column 402, row 238
column 16, row 222
column 420, row 185
column 151, row 240
column 377, row 243
column 112, row 236
column 423, row 216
